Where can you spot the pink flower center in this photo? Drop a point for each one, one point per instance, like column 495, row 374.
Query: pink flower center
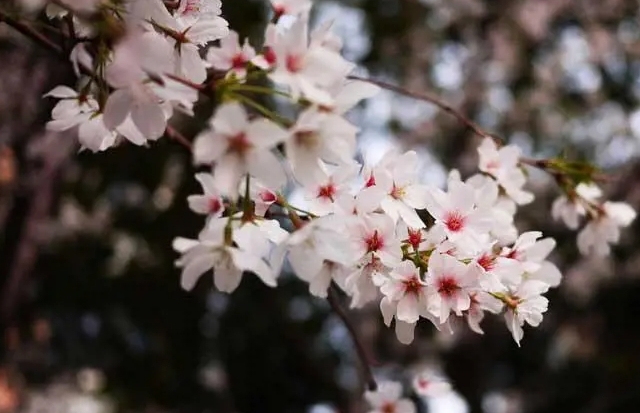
column 412, row 286
column 239, row 144
column 415, row 238
column 192, row 6
column 423, row 383
column 447, row 286
column 493, row 165
column 294, row 63
column 270, row 56
column 279, row 10
column 238, row 61
column 487, row 262
column 267, row 196
column 513, row 254
column 454, row 221
column 214, row 205
column 374, row 242
column 327, row 191
column 371, row 181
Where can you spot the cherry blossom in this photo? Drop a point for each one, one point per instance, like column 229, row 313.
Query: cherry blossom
column 239, row 146
column 503, row 165
column 209, row 252
column 307, row 71
column 210, row 203
column 290, row 7
column 531, row 253
column 604, row 230
column 407, row 290
column 388, row 398
column 231, row 56
column 403, row 194
column 456, row 212
column 322, row 196
column 317, row 136
column 570, row 208
column 525, row 304
column 450, row 282
column 429, row 384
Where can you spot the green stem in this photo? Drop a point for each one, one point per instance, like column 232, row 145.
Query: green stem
column 258, row 89
column 268, row 113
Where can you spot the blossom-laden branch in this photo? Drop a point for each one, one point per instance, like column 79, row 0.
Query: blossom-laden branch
column 358, row 230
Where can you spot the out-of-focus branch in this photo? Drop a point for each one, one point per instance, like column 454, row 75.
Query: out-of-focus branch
column 174, row 134
column 42, row 199
column 365, row 363
column 30, row 32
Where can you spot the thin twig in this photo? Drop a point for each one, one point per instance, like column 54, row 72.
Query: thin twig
column 431, row 99
column 29, row 32
column 174, row 134
column 197, row 86
column 357, row 343
column 542, row 164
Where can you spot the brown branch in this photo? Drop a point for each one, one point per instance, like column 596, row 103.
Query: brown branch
column 174, row 134
column 334, row 301
column 542, row 164
column 197, row 86
column 30, row 32
column 474, row 127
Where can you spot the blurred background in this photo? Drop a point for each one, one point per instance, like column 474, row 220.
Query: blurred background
column 94, row 320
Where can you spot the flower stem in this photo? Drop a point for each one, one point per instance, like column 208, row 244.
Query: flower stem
column 268, row 113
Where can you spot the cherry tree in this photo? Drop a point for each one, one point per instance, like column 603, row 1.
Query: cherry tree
column 373, row 233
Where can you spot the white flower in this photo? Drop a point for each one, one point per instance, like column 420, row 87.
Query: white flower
column 494, row 270
column 455, row 211
column 375, row 234
column 322, row 196
column 317, row 136
column 525, row 304
column 407, row 291
column 260, row 194
column 210, row 202
column 307, row 71
column 317, row 250
column 404, row 195
column 363, row 282
column 388, row 399
column 450, row 282
column 531, row 253
column 569, row 209
column 503, row 165
column 429, row 384
column 602, row 231
column 209, row 252
column 231, row 56
column 195, row 24
column 238, row 146
column 498, row 209
column 290, row 7
column 83, row 111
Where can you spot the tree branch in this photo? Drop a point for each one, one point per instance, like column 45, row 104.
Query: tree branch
column 30, row 32
column 334, row 301
column 174, row 134
column 431, row 99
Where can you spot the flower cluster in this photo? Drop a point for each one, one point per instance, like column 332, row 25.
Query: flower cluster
column 374, row 230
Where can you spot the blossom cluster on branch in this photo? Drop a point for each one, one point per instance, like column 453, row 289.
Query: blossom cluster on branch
column 423, row 254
